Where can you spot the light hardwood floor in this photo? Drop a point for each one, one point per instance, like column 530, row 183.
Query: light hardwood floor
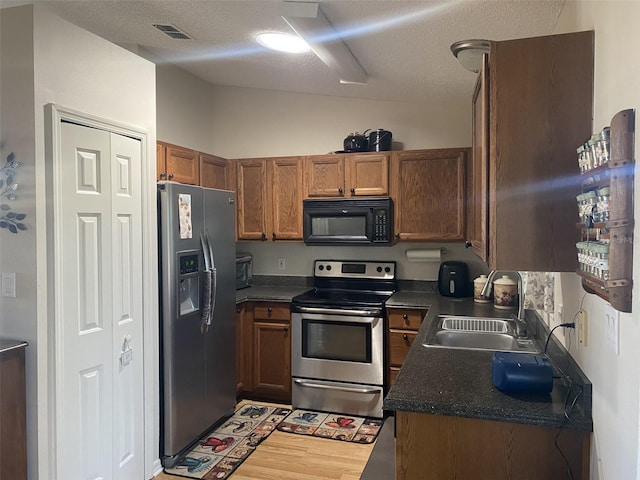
column 286, row 456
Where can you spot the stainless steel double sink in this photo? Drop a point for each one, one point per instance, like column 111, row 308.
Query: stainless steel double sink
column 477, row 333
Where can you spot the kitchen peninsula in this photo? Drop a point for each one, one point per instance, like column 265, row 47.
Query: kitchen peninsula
column 452, row 423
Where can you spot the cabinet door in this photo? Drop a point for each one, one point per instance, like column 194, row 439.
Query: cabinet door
column 324, row 176
column 216, row 172
column 541, row 101
column 478, row 175
column 13, row 418
column 428, row 190
column 271, row 351
column 284, row 193
column 272, row 360
column 161, row 161
column 251, row 199
column 367, row 174
column 182, row 164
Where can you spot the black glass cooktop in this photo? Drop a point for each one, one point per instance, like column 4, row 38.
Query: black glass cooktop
column 329, row 298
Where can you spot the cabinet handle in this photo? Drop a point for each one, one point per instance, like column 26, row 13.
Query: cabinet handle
column 405, row 337
column 171, row 176
column 405, row 318
column 468, row 244
column 163, row 175
column 353, row 191
column 286, row 328
column 273, row 235
column 263, row 237
column 269, row 310
column 397, row 235
column 340, row 191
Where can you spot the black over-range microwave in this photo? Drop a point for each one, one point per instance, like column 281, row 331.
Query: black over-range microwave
column 348, row 221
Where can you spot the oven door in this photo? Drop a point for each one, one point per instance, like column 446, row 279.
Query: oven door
column 345, row 347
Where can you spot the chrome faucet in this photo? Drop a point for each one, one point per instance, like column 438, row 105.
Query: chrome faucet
column 521, row 325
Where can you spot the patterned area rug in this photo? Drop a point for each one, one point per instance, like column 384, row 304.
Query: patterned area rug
column 347, row 428
column 219, row 453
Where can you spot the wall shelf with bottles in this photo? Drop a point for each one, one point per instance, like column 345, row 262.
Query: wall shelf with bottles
column 605, row 251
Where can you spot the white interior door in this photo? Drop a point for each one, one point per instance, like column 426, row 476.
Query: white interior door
column 99, row 328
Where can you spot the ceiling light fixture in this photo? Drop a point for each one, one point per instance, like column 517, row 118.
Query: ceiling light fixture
column 282, row 42
column 469, row 53
column 308, row 21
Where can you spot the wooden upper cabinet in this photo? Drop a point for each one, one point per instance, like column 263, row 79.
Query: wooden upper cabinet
column 367, row 174
column 324, row 176
column 216, row 172
column 348, row 175
column 180, row 164
column 269, row 198
column 540, row 110
column 284, row 198
column 478, row 171
column 428, row 190
column 251, row 199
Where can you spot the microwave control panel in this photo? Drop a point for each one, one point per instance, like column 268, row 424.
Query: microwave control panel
column 381, row 226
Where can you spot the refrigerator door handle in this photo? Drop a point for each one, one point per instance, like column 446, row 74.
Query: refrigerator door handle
column 207, row 313
column 214, row 283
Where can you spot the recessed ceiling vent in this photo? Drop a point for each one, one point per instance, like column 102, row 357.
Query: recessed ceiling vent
column 172, row 31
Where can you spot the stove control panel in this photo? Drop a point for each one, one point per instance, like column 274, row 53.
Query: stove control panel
column 355, row 269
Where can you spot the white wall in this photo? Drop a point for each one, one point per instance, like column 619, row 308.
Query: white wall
column 185, row 109
column 258, row 123
column 615, row 378
column 48, row 60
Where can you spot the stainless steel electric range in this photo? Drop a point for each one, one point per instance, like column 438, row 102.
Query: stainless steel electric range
column 337, row 349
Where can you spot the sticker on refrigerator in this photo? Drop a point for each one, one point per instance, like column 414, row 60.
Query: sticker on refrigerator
column 184, row 209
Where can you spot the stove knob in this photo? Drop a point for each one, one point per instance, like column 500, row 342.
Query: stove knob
column 321, row 267
column 387, row 269
column 328, row 267
column 379, row 269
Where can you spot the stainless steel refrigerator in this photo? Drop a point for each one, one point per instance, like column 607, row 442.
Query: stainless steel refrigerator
column 197, row 313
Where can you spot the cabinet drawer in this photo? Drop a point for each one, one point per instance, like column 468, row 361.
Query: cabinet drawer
column 399, row 345
column 406, row 319
column 272, row 311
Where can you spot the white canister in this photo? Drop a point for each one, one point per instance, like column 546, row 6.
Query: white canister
column 505, row 293
column 478, row 285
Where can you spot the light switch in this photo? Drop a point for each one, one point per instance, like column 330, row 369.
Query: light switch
column 8, row 284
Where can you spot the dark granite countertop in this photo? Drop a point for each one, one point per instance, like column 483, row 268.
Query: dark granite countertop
column 457, row 382
column 274, row 288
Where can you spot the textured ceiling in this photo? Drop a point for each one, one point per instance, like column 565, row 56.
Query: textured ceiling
column 402, row 45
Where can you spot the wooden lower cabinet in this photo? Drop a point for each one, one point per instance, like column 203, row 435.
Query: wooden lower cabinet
column 442, row 447
column 13, row 419
column 404, row 324
column 264, row 352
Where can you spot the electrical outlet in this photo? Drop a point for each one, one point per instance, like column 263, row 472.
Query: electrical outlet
column 282, row 264
column 583, row 329
column 9, row 284
column 612, row 318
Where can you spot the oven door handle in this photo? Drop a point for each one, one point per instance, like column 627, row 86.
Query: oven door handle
column 306, row 383
column 340, row 311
